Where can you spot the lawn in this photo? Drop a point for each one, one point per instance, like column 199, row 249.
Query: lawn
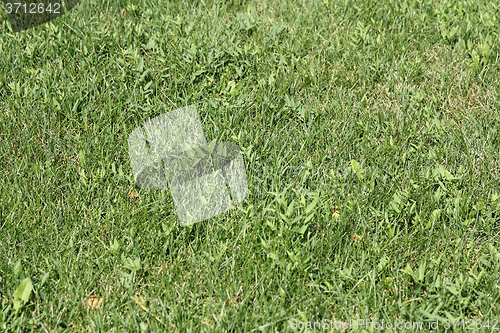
column 370, row 132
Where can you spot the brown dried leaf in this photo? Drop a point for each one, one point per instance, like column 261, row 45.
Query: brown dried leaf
column 93, row 302
column 133, row 194
column 234, row 301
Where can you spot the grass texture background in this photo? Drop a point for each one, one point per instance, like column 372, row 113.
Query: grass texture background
column 370, row 132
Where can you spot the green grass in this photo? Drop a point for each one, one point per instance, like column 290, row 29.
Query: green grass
column 371, row 136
